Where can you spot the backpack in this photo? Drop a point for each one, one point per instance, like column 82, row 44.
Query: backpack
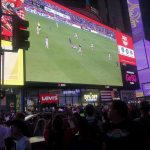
column 94, row 131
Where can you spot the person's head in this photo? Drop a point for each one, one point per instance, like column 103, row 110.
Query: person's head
column 89, row 110
column 20, row 116
column 58, row 123
column 118, row 111
column 1, row 120
column 144, row 107
column 83, row 126
column 18, row 128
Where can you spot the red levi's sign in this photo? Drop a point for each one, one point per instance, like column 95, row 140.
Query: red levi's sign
column 49, row 98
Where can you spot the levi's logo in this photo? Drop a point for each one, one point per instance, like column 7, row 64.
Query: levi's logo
column 47, row 98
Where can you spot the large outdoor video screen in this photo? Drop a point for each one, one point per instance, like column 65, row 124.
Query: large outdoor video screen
column 69, row 48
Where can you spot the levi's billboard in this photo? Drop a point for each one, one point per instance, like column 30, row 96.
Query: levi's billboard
column 49, row 98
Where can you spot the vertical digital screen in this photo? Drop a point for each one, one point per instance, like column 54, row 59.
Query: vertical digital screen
column 135, row 19
column 140, row 50
column 146, row 89
column 6, row 32
column 10, row 7
column 6, row 27
column 130, row 76
column 147, row 46
column 12, row 66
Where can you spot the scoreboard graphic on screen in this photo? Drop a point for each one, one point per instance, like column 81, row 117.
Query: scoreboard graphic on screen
column 125, row 49
column 127, row 61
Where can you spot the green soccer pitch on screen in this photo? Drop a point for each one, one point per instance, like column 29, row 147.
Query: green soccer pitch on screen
column 63, row 53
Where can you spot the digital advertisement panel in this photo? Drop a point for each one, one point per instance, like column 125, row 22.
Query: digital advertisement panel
column 90, row 97
column 12, row 66
column 135, row 19
column 130, row 76
column 147, row 47
column 10, row 8
column 125, row 49
column 146, row 89
column 49, row 98
column 141, row 56
column 128, row 61
column 67, row 47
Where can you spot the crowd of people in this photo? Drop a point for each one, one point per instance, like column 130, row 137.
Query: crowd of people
column 38, row 7
column 116, row 127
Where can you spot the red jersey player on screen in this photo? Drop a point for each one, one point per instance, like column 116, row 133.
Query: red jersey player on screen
column 14, row 7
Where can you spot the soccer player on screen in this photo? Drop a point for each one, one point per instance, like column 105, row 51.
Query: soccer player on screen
column 80, row 50
column 117, row 63
column 70, row 41
column 46, row 42
column 38, row 28
column 76, row 35
column 109, row 56
column 57, row 24
column 92, row 46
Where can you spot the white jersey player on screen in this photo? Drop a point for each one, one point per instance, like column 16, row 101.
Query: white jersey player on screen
column 46, row 42
column 38, row 28
column 109, row 56
column 92, row 46
column 76, row 35
column 57, row 24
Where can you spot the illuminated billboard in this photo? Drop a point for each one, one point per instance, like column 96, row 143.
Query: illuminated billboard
column 10, row 8
column 13, row 67
column 135, row 19
column 67, row 47
column 12, row 63
column 90, row 97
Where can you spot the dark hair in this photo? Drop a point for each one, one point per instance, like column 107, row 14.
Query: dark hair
column 20, row 125
column 89, row 110
column 144, row 106
column 121, row 108
column 58, row 123
column 1, row 119
column 20, row 115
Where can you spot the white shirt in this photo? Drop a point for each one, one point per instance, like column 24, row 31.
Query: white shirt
column 46, row 40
